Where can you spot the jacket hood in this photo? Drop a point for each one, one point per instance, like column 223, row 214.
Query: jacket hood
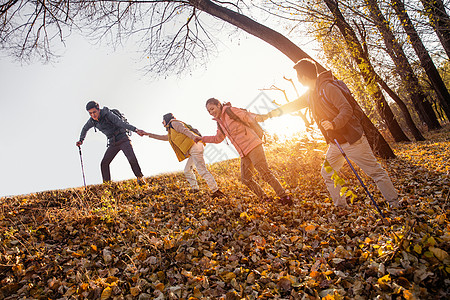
column 103, row 112
column 224, row 106
column 323, row 78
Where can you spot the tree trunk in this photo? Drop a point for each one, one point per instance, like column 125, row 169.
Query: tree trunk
column 409, row 121
column 439, row 20
column 367, row 71
column 403, row 68
column 425, row 60
column 293, row 52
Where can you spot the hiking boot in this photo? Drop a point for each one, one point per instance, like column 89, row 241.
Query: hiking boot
column 217, row 194
column 286, row 200
column 394, row 204
column 342, row 205
column 141, row 181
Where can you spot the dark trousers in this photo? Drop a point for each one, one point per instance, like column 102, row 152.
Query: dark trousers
column 124, row 145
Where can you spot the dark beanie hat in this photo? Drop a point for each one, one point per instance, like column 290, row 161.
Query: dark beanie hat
column 91, row 105
column 168, row 117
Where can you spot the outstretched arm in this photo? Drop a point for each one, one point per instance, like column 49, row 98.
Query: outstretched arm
column 215, row 139
column 164, row 137
column 287, row 108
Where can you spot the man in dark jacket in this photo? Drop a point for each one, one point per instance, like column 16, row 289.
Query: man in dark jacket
column 116, row 131
column 337, row 119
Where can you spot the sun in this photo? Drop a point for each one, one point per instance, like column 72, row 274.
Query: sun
column 285, row 126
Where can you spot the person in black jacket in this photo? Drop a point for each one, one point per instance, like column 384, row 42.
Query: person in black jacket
column 338, row 120
column 116, row 131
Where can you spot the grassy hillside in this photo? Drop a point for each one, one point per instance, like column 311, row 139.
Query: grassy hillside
column 123, row 241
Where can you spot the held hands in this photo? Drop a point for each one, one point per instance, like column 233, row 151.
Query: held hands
column 197, row 139
column 327, row 125
column 262, row 118
column 141, row 132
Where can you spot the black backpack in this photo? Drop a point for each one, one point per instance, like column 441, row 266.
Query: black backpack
column 252, row 125
column 122, row 117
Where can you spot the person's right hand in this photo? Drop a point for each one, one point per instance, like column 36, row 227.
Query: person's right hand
column 197, row 139
column 263, row 117
column 79, row 143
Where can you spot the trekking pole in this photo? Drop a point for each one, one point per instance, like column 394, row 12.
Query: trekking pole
column 359, row 178
column 82, row 167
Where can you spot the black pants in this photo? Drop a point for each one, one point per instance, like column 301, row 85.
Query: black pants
column 125, row 145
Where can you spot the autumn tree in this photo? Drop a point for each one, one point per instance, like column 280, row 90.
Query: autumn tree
column 28, row 27
column 403, row 67
column 425, row 60
column 367, row 71
column 439, row 20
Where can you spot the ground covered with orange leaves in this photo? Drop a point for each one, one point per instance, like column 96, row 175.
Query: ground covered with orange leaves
column 124, row 241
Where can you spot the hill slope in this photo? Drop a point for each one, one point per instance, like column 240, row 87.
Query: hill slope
column 123, row 241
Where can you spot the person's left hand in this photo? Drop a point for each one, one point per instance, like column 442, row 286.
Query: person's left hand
column 262, row 118
column 141, row 132
column 197, row 139
column 327, row 125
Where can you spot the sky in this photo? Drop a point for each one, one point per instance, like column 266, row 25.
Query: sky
column 43, row 109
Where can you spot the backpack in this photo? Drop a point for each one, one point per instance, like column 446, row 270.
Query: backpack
column 252, row 125
column 121, row 117
column 357, row 111
column 194, row 130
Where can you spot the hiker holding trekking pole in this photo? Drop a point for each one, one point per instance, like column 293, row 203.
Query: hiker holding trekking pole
column 113, row 124
column 181, row 137
column 339, row 122
column 241, row 128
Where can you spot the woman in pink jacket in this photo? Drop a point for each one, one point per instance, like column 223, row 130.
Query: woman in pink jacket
column 247, row 143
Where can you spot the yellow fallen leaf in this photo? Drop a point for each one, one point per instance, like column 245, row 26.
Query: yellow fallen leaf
column 160, row 286
column 310, row 228
column 135, row 291
column 314, row 274
column 228, row 276
column 384, row 279
column 107, row 292
column 439, row 253
column 431, row 241
column 418, row 249
column 78, row 254
column 408, row 295
column 197, row 293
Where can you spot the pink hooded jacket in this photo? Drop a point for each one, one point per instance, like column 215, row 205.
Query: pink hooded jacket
column 243, row 138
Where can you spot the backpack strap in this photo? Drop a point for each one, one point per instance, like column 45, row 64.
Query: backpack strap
column 358, row 113
column 234, row 117
column 254, row 126
column 223, row 132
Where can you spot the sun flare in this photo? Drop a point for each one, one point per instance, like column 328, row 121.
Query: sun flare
column 285, row 126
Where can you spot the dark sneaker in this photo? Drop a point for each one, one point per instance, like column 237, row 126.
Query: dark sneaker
column 286, row 200
column 394, row 204
column 141, row 181
column 217, row 194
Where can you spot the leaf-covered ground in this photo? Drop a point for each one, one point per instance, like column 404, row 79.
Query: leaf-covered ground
column 123, row 241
